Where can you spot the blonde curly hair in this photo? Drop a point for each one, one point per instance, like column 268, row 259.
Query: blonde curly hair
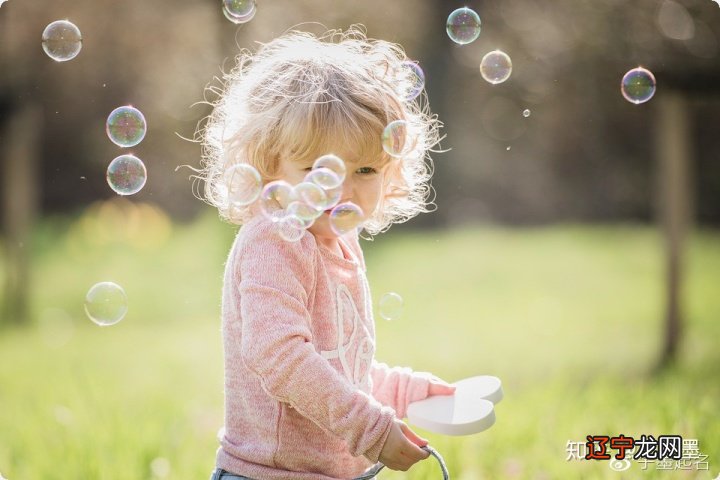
column 301, row 96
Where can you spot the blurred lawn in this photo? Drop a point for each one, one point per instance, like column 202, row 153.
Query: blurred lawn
column 568, row 316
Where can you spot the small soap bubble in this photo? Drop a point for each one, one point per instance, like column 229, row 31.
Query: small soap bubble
column 346, row 217
column 334, row 163
column 397, row 140
column 61, row 40
column 463, row 26
column 106, row 303
column 126, row 126
column 390, row 306
column 496, row 67
column 638, row 85
column 290, row 228
column 274, row 198
column 126, row 175
column 415, row 82
column 243, row 184
column 239, row 11
column 526, row 113
column 323, row 177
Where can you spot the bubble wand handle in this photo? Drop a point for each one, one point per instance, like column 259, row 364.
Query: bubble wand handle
column 372, row 472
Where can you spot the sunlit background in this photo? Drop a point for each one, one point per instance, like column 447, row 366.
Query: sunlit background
column 574, row 250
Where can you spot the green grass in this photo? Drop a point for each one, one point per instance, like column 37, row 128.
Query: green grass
column 570, row 317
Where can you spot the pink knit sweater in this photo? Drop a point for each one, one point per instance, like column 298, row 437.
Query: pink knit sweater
column 304, row 397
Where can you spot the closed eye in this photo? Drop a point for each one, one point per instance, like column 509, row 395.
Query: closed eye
column 365, row 171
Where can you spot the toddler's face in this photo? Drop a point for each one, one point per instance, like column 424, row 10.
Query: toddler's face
column 363, row 186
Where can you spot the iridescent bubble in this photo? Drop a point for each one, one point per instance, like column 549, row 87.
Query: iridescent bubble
column 239, row 11
column 390, row 306
column 126, row 126
column 346, row 217
column 290, row 228
column 463, row 26
column 311, row 195
column 126, row 175
column 396, row 139
column 415, row 81
column 334, row 163
column 62, row 40
column 274, row 198
column 323, row 177
column 496, row 67
column 106, row 303
column 526, row 113
column 638, row 85
column 243, row 183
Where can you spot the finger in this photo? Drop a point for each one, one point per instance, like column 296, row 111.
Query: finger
column 413, row 437
column 441, row 389
column 414, row 453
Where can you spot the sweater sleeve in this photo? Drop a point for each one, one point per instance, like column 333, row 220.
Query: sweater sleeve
column 398, row 386
column 275, row 281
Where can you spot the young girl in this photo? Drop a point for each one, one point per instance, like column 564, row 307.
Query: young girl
column 304, row 396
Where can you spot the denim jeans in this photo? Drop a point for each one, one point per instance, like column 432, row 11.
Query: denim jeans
column 220, row 474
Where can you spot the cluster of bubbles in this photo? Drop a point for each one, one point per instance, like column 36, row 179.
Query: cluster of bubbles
column 294, row 208
column 105, row 302
column 638, row 85
column 126, row 127
column 61, row 40
column 239, row 11
column 463, row 27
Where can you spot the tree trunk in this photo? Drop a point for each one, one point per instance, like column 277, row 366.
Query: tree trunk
column 674, row 208
column 20, row 139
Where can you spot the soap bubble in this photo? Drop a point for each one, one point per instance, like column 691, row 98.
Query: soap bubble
column 243, row 183
column 126, row 175
column 290, row 228
column 463, row 26
column 334, row 163
column 391, row 306
column 311, row 195
column 526, row 113
column 397, row 140
column 323, row 177
column 274, row 198
column 416, row 81
column 496, row 67
column 61, row 40
column 126, row 126
column 638, row 85
column 106, row 303
column 346, row 217
column 239, row 11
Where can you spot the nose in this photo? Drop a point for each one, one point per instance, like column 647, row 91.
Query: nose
column 348, row 189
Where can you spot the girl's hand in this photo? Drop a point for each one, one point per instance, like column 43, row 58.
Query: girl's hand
column 402, row 448
column 440, row 387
